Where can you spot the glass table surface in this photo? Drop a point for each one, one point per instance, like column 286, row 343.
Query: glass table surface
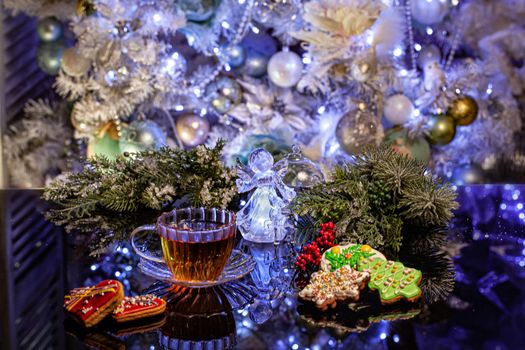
column 485, row 311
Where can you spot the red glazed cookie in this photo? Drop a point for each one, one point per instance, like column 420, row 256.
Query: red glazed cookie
column 90, row 305
column 133, row 308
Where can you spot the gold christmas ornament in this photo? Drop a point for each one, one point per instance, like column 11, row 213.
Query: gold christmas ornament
column 192, row 129
column 74, row 64
column 441, row 130
column 85, row 8
column 464, row 110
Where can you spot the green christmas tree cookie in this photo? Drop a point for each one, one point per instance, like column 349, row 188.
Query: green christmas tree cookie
column 392, row 279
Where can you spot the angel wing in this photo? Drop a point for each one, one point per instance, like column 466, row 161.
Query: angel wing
column 245, row 177
column 281, row 167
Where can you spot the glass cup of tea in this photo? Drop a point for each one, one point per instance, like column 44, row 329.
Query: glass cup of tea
column 196, row 242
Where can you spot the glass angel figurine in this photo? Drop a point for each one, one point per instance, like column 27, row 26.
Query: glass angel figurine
column 262, row 218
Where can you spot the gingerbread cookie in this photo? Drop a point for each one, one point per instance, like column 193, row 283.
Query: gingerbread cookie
column 139, row 326
column 142, row 306
column 392, row 279
column 328, row 287
column 90, row 305
column 349, row 254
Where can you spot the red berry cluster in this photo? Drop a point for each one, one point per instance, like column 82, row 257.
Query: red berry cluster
column 326, row 235
column 311, row 253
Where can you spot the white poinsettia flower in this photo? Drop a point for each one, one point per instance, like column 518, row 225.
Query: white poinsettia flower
column 267, row 108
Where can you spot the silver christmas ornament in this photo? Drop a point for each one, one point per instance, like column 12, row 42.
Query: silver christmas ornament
column 301, row 171
column 236, row 55
column 192, row 129
column 141, row 135
column 49, row 57
column 398, row 109
column 285, row 69
column 224, row 94
column 355, row 130
column 74, row 64
column 429, row 11
column 221, row 104
column 255, row 64
column 429, row 53
column 49, row 29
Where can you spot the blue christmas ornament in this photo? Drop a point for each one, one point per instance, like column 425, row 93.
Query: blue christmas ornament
column 262, row 219
column 255, row 65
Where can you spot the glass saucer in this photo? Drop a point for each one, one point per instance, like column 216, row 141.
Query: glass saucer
column 196, row 302
column 239, row 265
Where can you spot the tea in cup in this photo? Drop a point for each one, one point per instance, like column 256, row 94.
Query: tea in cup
column 196, row 242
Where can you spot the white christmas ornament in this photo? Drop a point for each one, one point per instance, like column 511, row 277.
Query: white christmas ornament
column 398, row 109
column 262, row 219
column 285, row 68
column 429, row 11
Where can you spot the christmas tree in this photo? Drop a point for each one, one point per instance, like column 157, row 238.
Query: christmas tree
column 438, row 80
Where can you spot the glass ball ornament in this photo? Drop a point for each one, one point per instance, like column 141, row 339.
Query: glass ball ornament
column 301, row 172
column 49, row 57
column 464, row 110
column 285, row 69
column 74, row 64
column 236, row 55
column 105, row 142
column 142, row 135
column 223, row 94
column 49, row 29
column 429, row 53
column 468, row 174
column 192, row 129
column 418, row 148
column 255, row 64
column 441, row 129
column 429, row 11
column 355, row 131
column 398, row 109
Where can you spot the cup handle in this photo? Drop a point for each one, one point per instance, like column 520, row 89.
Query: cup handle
column 137, row 250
